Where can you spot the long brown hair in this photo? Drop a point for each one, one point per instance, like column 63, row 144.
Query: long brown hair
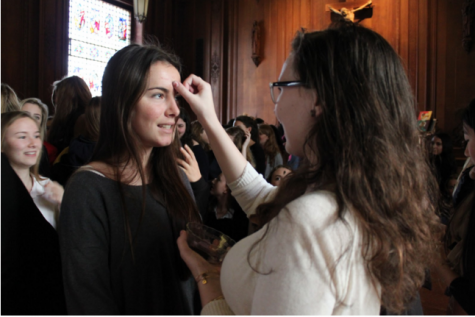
column 70, row 97
column 238, row 139
column 10, row 100
column 92, row 116
column 366, row 146
column 8, row 118
column 196, row 130
column 271, row 148
column 124, row 83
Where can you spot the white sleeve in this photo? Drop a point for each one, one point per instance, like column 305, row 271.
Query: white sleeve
column 251, row 190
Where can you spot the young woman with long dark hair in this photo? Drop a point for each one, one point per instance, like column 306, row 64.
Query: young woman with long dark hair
column 70, row 98
column 351, row 229
column 124, row 211
column 269, row 143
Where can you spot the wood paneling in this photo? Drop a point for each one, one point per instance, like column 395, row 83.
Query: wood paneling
column 425, row 33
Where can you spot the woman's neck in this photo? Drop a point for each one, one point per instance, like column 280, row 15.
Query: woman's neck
column 24, row 175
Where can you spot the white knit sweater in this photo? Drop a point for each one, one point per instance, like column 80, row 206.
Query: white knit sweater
column 313, row 259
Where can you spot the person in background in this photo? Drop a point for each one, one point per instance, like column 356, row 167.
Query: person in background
column 38, row 110
column 242, row 139
column 443, row 163
column 81, row 148
column 352, row 229
column 278, row 174
column 224, row 213
column 248, row 124
column 10, row 100
column 456, row 266
column 271, row 149
column 199, row 135
column 122, row 213
column 31, row 265
column 21, row 144
column 198, row 179
column 186, row 137
column 70, row 97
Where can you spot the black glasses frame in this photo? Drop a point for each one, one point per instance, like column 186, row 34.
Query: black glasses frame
column 282, row 84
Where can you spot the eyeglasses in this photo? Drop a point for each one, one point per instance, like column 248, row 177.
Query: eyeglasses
column 276, row 88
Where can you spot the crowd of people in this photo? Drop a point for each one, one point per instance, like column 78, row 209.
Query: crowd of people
column 338, row 208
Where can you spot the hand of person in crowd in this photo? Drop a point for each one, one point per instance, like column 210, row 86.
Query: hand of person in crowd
column 198, row 94
column 54, row 192
column 189, row 165
column 245, row 145
column 248, row 138
column 198, row 266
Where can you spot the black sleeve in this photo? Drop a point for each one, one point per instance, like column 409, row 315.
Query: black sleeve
column 84, row 233
column 464, row 294
column 202, row 159
column 201, row 191
column 31, row 265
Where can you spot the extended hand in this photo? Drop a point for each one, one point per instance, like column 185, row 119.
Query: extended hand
column 189, row 165
column 54, row 192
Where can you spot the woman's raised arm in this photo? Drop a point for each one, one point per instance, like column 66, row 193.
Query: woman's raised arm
column 198, row 94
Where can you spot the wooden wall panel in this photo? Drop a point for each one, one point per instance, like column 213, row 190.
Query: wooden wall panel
column 425, row 33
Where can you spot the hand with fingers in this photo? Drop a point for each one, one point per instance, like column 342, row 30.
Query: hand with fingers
column 200, row 268
column 199, row 96
column 189, row 165
column 245, row 145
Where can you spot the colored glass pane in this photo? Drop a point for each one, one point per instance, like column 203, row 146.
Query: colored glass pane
column 96, row 31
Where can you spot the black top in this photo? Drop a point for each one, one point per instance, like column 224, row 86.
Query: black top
column 32, row 283
column 80, row 153
column 101, row 275
column 202, row 159
column 463, row 288
column 259, row 157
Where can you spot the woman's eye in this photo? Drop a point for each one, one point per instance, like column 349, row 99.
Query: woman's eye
column 158, row 96
column 178, row 98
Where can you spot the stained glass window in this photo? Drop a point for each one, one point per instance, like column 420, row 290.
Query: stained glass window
column 96, row 31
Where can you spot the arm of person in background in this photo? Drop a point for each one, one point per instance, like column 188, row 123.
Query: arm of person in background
column 245, row 145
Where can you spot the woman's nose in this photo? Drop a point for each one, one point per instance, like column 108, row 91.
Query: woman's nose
column 173, row 110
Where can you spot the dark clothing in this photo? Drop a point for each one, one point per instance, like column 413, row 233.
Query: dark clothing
column 101, row 274
column 214, row 168
column 79, row 154
column 259, row 157
column 201, row 190
column 463, row 288
column 466, row 186
column 32, row 283
column 44, row 168
column 237, row 227
column 202, row 159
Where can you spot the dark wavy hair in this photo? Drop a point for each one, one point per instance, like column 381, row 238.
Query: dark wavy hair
column 187, row 137
column 249, row 123
column 271, row 147
column 70, row 98
column 364, row 147
column 444, row 164
column 124, row 83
